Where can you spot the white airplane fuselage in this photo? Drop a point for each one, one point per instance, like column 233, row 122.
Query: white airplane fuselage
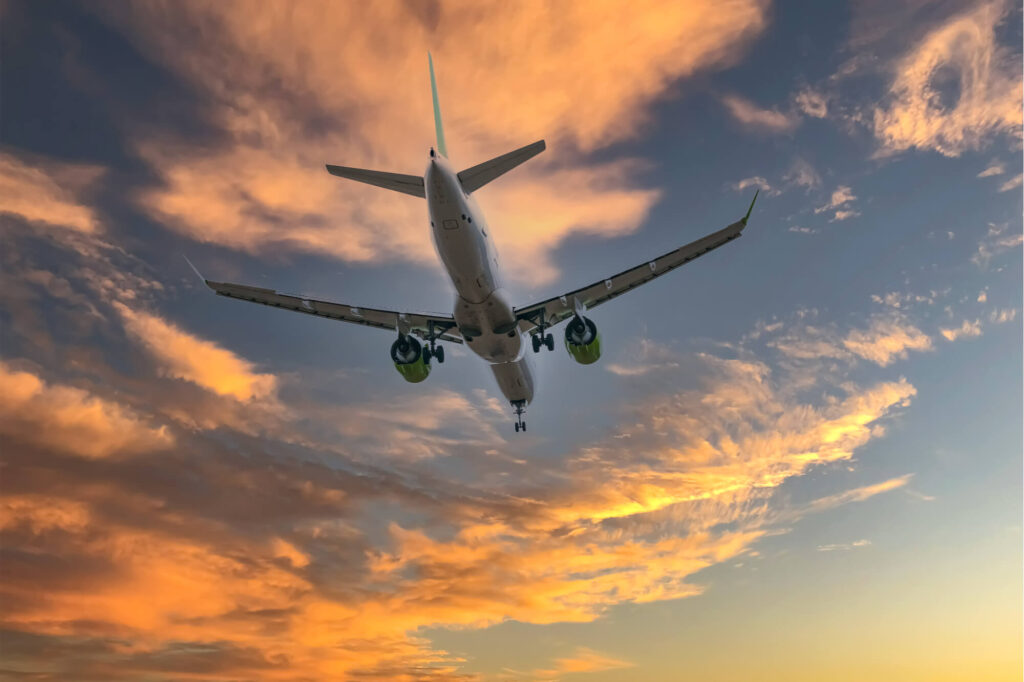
column 483, row 312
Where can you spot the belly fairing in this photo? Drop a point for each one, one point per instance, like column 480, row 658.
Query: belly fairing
column 489, row 327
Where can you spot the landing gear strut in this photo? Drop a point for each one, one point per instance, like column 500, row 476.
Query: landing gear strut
column 542, row 339
column 539, row 318
column 433, row 350
column 520, row 406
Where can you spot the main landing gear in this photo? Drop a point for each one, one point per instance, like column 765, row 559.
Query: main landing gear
column 433, row 351
column 541, row 339
column 520, row 406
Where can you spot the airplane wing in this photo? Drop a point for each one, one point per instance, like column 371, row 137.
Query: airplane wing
column 555, row 310
column 441, row 327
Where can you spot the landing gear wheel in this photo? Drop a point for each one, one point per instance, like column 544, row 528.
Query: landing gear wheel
column 549, row 341
column 426, row 354
column 439, row 354
column 520, row 408
column 536, row 343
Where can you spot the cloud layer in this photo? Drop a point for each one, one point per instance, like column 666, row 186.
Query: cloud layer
column 287, row 97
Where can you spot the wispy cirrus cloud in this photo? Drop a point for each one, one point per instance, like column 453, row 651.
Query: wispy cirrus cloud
column 886, row 339
column 1012, row 183
column 48, row 192
column 844, row 546
column 883, row 340
column 997, row 240
column 582, row 660
column 751, row 116
column 994, row 168
column 184, row 356
column 967, row 329
column 986, row 102
column 803, row 174
column 841, row 202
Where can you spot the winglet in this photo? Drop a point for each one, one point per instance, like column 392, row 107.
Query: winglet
column 441, row 146
column 747, row 217
column 196, row 270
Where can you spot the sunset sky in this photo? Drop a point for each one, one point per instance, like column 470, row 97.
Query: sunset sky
column 799, row 458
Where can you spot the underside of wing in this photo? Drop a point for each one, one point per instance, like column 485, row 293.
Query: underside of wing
column 554, row 310
column 425, row 326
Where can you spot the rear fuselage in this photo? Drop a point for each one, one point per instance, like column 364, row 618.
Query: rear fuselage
column 483, row 312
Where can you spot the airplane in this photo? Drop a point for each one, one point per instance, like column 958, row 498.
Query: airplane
column 484, row 319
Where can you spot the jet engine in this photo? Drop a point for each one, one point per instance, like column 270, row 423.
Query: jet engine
column 407, row 354
column 582, row 340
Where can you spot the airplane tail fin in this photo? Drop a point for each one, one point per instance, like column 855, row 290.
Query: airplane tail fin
column 441, row 146
column 476, row 177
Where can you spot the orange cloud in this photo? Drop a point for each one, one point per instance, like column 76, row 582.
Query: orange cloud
column 71, row 420
column 47, row 193
column 289, row 97
column 968, row 328
column 886, row 340
column 583, row 660
column 629, row 521
column 990, row 88
column 184, row 356
column 858, row 494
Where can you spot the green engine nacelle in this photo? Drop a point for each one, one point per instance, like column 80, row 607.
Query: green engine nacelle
column 582, row 341
column 407, row 355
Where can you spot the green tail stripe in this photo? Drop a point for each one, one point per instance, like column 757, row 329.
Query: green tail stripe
column 441, row 146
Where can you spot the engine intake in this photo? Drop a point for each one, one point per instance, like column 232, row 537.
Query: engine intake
column 582, row 340
column 407, row 354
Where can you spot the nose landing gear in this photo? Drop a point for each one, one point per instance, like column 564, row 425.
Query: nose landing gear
column 520, row 407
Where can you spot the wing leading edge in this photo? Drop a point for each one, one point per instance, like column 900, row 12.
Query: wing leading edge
column 559, row 308
column 425, row 326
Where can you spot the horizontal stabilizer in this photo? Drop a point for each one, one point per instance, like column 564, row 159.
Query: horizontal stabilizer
column 476, row 177
column 407, row 184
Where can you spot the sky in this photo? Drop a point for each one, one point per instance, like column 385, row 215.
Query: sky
column 799, row 457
